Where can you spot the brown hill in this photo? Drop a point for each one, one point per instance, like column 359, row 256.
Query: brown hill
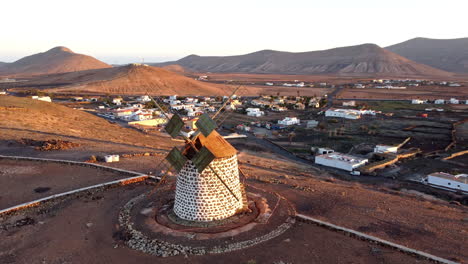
column 366, row 59
column 175, row 68
column 56, row 60
column 130, row 79
column 445, row 54
column 24, row 117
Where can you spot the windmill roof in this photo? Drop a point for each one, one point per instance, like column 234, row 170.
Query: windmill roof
column 216, row 144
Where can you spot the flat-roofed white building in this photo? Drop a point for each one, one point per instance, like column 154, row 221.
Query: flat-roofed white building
column 254, row 112
column 417, row 101
column 349, row 103
column 343, row 113
column 439, row 101
column 385, row 149
column 289, row 121
column 340, row 161
column 42, row 98
column 448, row 181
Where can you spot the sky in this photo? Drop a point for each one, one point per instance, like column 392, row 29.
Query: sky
column 119, row 32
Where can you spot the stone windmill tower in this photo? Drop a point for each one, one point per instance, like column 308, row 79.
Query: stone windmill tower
column 208, row 186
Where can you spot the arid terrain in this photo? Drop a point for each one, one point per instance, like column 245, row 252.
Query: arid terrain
column 75, row 226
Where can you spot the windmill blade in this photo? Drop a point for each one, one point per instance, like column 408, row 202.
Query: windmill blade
column 176, row 159
column 206, row 125
column 163, row 178
column 202, row 159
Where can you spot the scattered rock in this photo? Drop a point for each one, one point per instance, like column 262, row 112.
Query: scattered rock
column 89, row 225
column 287, row 240
column 146, row 211
column 42, row 189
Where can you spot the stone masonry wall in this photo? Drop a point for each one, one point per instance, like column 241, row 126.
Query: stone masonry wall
column 203, row 197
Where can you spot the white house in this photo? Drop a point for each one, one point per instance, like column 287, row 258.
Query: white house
column 448, row 181
column 42, row 98
column 144, row 98
column 269, row 83
column 173, row 97
column 3, row 92
column 312, row 123
column 343, row 113
column 359, row 86
column 454, row 85
column 340, row 161
column 117, row 101
column 385, row 149
column 439, row 101
column 289, row 121
column 350, row 103
column 454, row 101
column 322, row 151
column 254, row 112
column 417, row 101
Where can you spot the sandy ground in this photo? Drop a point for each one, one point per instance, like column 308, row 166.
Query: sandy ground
column 81, row 231
column 21, row 178
column 424, row 93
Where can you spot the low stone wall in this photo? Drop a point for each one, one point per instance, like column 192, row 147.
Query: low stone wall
column 157, row 247
column 137, row 177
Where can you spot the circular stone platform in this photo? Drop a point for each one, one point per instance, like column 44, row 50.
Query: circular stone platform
column 151, row 226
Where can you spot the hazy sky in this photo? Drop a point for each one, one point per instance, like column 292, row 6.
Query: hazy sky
column 123, row 31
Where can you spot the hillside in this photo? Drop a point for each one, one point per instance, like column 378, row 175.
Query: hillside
column 56, row 60
column 175, row 68
column 445, row 54
column 366, row 59
column 24, row 117
column 130, row 79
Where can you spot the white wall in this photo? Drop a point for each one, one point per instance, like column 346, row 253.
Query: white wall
column 446, row 183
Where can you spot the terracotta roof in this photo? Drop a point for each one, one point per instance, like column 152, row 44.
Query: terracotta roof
column 216, row 144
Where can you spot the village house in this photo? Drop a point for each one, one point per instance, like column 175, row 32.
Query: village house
column 117, row 101
column 439, row 101
column 385, row 149
column 143, row 98
column 349, row 103
column 448, row 181
column 340, row 161
column 312, row 124
column 277, row 108
column 42, row 98
column 343, row 113
column 314, row 103
column 289, row 121
column 418, row 101
column 454, row 101
column 299, row 106
column 254, row 112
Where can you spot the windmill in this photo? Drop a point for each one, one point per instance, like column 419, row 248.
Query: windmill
column 208, row 187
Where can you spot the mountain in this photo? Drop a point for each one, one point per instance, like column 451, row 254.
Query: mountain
column 445, row 54
column 366, row 59
column 129, row 79
column 56, row 60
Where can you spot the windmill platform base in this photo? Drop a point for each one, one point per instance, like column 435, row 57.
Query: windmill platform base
column 153, row 227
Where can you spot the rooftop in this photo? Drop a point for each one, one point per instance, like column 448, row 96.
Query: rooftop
column 342, row 157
